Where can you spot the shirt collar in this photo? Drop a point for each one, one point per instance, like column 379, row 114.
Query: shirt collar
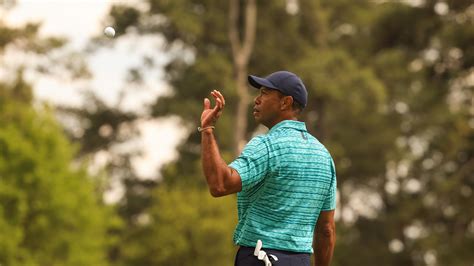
column 298, row 125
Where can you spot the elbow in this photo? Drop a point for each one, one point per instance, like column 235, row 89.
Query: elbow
column 222, row 184
column 330, row 235
column 217, row 186
column 216, row 189
column 329, row 232
column 217, row 192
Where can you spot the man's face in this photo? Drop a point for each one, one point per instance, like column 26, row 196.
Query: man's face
column 267, row 107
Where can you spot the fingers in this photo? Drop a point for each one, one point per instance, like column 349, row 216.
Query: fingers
column 214, row 113
column 207, row 104
column 220, row 101
column 218, row 94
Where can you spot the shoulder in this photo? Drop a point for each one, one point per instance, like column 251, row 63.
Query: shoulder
column 258, row 140
column 318, row 144
column 257, row 143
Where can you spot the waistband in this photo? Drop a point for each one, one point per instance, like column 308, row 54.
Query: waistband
column 277, row 251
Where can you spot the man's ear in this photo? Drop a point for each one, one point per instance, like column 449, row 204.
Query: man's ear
column 286, row 103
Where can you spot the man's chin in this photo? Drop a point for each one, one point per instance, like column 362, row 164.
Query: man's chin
column 259, row 121
column 256, row 117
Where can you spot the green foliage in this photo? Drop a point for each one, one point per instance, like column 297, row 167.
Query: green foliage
column 434, row 141
column 18, row 91
column 26, row 37
column 101, row 125
column 185, row 226
column 50, row 213
column 128, row 15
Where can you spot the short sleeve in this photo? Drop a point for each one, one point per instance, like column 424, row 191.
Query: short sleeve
column 330, row 201
column 252, row 164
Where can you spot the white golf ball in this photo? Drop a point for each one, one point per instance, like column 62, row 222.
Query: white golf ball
column 109, row 32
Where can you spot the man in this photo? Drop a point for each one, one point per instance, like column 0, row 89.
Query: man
column 285, row 180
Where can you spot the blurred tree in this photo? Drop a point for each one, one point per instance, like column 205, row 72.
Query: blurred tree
column 423, row 54
column 182, row 229
column 242, row 38
column 42, row 54
column 50, row 212
column 101, row 130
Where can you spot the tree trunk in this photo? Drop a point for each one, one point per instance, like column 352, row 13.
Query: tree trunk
column 241, row 51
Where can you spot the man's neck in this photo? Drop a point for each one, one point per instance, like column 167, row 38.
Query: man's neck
column 292, row 118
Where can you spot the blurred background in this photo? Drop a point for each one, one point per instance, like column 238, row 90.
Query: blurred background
column 100, row 157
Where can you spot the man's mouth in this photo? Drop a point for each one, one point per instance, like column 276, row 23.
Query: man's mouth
column 255, row 111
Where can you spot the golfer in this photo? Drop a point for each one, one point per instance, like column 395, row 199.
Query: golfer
column 285, row 180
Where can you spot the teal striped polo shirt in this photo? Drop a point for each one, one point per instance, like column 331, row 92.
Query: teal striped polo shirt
column 288, row 178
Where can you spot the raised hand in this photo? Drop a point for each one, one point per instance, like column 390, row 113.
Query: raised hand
column 210, row 116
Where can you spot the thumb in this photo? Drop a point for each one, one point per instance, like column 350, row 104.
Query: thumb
column 207, row 104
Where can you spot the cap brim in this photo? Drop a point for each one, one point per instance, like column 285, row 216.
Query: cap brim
column 258, row 82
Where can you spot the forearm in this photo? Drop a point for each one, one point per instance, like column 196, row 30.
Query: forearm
column 324, row 247
column 214, row 167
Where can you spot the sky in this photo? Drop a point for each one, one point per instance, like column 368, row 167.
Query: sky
column 79, row 21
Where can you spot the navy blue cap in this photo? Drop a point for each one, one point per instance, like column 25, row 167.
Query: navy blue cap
column 285, row 82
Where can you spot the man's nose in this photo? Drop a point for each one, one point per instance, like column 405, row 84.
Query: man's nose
column 257, row 99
